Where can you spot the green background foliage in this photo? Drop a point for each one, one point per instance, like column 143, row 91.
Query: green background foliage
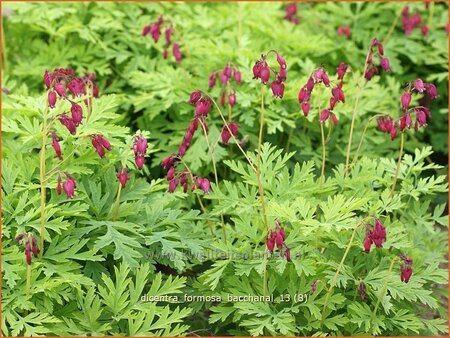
column 95, row 270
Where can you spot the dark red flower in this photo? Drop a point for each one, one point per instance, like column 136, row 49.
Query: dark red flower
column 60, row 88
column 225, row 133
column 341, row 70
column 173, row 185
column 384, row 63
column 195, row 96
column 202, row 107
column 51, row 99
column 69, row 186
column 277, row 88
column 324, row 115
column 123, row 177
column 68, row 123
column 344, row 30
column 378, row 234
column 237, row 76
column 270, row 242
column 139, row 160
column 367, row 243
column 405, row 121
column 176, row 52
column 232, row 99
column 167, row 162
column 405, row 100
column 306, row 108
column 77, row 113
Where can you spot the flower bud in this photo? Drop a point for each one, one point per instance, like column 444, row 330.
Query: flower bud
column 237, row 76
column 282, row 74
column 168, row 33
column 281, row 61
column 47, row 79
column 367, row 243
column 171, row 173
column 59, row 186
column 56, row 146
column 176, row 52
column 287, row 254
column 212, row 80
column 362, row 290
column 165, row 53
column 334, row 119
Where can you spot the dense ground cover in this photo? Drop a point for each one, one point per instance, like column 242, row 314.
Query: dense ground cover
column 199, row 153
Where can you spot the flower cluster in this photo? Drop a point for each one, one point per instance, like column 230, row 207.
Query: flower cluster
column 371, row 68
column 30, row 243
column 406, row 269
column 140, row 146
column 374, row 235
column 388, row 125
column 154, row 29
column 64, row 85
column 100, row 143
column 59, row 83
column 261, row 70
column 410, row 22
column 277, row 238
column 344, row 30
column 227, row 74
column 170, row 163
column 337, row 94
column 291, row 14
